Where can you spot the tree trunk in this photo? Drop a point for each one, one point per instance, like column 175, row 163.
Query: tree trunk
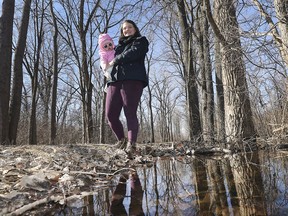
column 209, row 85
column 231, row 187
column 150, row 110
column 33, row 124
column 220, row 112
column 102, row 122
column 218, row 192
column 190, row 75
column 53, row 126
column 0, row 120
column 6, row 32
column 249, row 185
column 39, row 38
column 281, row 8
column 15, row 105
column 206, row 79
column 238, row 115
column 152, row 136
column 85, row 77
column 201, row 187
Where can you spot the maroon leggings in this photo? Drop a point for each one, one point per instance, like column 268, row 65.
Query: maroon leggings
column 124, row 94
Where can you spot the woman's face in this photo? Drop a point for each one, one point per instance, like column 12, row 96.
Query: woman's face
column 128, row 29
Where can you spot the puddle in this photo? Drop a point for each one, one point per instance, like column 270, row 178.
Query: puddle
column 251, row 184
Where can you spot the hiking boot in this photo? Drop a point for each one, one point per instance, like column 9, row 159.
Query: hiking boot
column 121, row 144
column 130, row 149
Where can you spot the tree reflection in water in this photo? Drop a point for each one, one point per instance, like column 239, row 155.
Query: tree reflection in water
column 248, row 184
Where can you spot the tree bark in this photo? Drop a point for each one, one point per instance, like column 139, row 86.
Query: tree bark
column 53, row 124
column 102, row 121
column 218, row 192
column 15, row 105
column 85, row 77
column 201, row 186
column 238, row 115
column 220, row 111
column 249, row 185
column 206, row 79
column 34, row 77
column 281, row 8
column 209, row 85
column 6, row 32
column 152, row 135
column 150, row 110
column 189, row 73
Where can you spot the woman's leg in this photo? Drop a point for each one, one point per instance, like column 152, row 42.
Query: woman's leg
column 131, row 92
column 114, row 105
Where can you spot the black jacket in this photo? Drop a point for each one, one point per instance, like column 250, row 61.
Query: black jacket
column 129, row 60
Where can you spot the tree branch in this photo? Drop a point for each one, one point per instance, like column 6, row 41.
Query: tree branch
column 213, row 24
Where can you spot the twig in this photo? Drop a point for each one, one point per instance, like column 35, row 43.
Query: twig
column 117, row 171
column 92, row 173
column 48, row 199
column 30, row 206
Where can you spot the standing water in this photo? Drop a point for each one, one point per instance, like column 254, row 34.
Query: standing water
column 245, row 184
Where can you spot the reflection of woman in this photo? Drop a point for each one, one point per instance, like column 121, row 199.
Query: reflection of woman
column 135, row 208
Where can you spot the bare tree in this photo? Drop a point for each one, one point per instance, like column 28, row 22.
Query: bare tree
column 219, row 111
column 280, row 37
column 85, row 78
column 206, row 85
column 152, row 133
column 80, row 22
column 106, row 18
column 189, row 71
column 279, row 30
column 6, row 31
column 238, row 115
column 166, row 98
column 15, row 104
column 34, row 73
column 53, row 126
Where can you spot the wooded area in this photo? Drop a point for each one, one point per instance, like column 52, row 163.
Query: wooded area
column 217, row 72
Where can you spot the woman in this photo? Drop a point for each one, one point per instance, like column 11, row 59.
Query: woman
column 128, row 80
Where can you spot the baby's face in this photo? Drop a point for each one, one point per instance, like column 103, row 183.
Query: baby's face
column 108, row 46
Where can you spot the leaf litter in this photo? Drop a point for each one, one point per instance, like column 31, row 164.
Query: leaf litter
column 32, row 175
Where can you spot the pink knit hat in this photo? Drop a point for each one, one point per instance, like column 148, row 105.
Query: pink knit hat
column 103, row 38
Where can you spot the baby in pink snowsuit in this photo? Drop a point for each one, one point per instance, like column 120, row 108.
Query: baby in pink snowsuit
column 107, row 53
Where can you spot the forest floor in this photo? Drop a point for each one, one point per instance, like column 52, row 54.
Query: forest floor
column 33, row 175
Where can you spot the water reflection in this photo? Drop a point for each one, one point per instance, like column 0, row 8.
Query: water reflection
column 251, row 184
column 136, row 197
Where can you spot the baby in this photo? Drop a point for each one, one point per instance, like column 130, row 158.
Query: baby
column 107, row 53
